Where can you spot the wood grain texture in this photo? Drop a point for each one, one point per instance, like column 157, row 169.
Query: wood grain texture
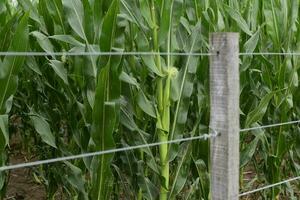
column 224, row 98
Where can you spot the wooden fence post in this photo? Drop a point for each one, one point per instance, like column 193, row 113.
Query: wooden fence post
column 224, row 102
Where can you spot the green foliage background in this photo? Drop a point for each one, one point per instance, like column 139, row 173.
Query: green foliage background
column 76, row 104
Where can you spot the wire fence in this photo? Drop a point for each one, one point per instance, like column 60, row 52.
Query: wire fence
column 129, row 148
column 116, row 53
column 278, row 183
column 270, row 126
column 137, row 53
column 98, row 153
column 269, row 186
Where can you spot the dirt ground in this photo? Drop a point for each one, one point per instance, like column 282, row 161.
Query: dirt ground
column 21, row 184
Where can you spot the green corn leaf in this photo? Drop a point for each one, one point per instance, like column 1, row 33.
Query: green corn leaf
column 105, row 111
column 248, row 152
column 60, row 70
column 166, row 17
column 149, row 61
column 55, row 9
column 88, row 21
column 108, row 27
column 3, row 11
column 75, row 15
column 258, row 113
column 150, row 190
column 76, row 179
column 98, row 13
column 32, row 64
column 220, row 23
column 295, row 14
column 108, row 31
column 145, row 11
column 125, row 180
column 129, row 79
column 104, row 119
column 127, row 120
column 42, row 127
column 4, row 136
column 251, row 44
column 30, row 8
column 185, row 90
column 238, row 18
column 12, row 65
column 203, row 177
column 182, row 171
column 67, row 39
column 282, row 146
column 145, row 104
column 130, row 13
column 5, row 34
column 272, row 26
column 43, row 12
column 183, row 166
column 43, row 41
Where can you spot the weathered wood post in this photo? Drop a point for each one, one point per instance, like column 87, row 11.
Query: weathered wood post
column 224, row 100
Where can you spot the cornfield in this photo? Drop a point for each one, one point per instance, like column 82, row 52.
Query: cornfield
column 68, row 105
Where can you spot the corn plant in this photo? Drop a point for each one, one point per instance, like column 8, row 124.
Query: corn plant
column 172, row 75
column 77, row 104
column 10, row 67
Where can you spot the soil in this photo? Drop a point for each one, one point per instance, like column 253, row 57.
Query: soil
column 21, row 185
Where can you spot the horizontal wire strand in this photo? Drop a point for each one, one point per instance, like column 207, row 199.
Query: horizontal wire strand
column 270, row 126
column 275, row 184
column 204, row 137
column 139, row 54
column 269, row 186
column 104, row 54
column 84, row 155
column 269, row 54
